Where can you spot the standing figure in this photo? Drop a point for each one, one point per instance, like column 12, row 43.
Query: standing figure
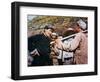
column 39, row 47
column 78, row 45
column 54, row 51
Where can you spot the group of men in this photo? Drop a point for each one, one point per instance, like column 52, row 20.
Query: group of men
column 42, row 46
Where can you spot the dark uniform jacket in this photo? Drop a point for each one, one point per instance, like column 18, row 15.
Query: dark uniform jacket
column 42, row 44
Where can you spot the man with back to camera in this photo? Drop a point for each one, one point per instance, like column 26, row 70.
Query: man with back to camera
column 78, row 45
column 41, row 44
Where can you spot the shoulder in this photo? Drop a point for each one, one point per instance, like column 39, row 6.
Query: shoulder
column 35, row 36
column 79, row 34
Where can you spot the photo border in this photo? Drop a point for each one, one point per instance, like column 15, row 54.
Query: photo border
column 15, row 40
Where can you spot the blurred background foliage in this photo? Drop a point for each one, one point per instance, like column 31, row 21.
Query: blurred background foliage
column 60, row 23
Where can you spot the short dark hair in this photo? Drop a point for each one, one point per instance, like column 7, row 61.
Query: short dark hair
column 49, row 27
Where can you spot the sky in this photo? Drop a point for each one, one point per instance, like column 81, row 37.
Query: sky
column 30, row 17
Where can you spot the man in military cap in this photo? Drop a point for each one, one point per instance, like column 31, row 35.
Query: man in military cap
column 40, row 44
column 78, row 45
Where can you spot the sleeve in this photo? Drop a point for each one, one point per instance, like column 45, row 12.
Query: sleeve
column 31, row 44
column 70, row 46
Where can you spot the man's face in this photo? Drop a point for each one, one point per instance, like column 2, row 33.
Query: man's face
column 48, row 32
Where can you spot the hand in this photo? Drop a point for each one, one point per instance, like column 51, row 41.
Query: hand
column 58, row 40
column 59, row 43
